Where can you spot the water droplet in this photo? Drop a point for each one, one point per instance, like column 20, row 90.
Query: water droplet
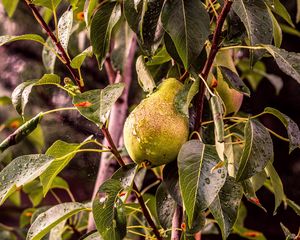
column 207, row 180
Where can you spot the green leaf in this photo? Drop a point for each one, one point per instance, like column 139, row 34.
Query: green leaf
column 250, row 194
column 48, row 56
column 217, row 112
column 289, row 30
column 88, row 10
column 225, row 206
column 62, row 153
column 93, row 236
column 278, row 8
column 79, row 59
column 95, row 105
column 20, row 171
column 291, row 127
column 199, row 186
column 53, row 216
column 187, row 22
column 64, row 28
column 288, row 62
column 33, row 37
column 25, row 217
column 143, row 17
column 103, row 21
column 234, row 81
column 294, row 206
column 15, row 198
column 145, row 78
column 23, row 131
column 159, row 58
column 258, row 150
column 257, row 21
column 277, row 186
column 185, row 96
column 51, row 4
column 107, row 211
column 5, row 101
column 10, row 6
column 165, row 206
column 277, row 32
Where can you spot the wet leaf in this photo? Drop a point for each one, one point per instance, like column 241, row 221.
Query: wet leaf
column 258, row 150
column 199, row 186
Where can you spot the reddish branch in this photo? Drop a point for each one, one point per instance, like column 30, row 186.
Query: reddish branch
column 176, row 223
column 209, row 62
column 60, row 50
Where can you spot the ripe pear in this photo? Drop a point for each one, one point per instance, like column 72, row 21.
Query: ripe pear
column 231, row 98
column 154, row 131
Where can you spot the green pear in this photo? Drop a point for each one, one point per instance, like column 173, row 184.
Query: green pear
column 155, row 131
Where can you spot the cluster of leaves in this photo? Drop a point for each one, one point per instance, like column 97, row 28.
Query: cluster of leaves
column 211, row 174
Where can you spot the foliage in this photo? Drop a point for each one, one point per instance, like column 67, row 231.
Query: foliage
column 213, row 170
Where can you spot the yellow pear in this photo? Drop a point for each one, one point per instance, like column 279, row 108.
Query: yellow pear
column 154, row 131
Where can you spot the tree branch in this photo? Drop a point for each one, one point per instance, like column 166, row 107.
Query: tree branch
column 176, row 223
column 60, row 50
column 209, row 62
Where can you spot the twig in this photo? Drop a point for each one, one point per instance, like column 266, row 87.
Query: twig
column 60, row 50
column 111, row 74
column 176, row 223
column 209, row 62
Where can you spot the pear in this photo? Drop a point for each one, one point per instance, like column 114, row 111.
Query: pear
column 155, row 131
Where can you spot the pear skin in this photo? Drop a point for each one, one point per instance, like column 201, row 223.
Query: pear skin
column 155, row 131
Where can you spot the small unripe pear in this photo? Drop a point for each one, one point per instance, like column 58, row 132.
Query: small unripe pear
column 155, row 131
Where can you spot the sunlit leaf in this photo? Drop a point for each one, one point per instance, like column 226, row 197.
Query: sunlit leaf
column 64, row 28
column 50, row 218
column 145, row 78
column 33, row 37
column 50, row 4
column 79, row 59
column 187, row 22
column 258, row 150
column 291, row 127
column 20, row 171
column 199, row 186
column 10, row 6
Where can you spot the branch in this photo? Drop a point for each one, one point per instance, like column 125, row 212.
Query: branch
column 176, row 223
column 209, row 62
column 60, row 50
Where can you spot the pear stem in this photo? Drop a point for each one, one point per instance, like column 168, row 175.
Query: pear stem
column 209, row 62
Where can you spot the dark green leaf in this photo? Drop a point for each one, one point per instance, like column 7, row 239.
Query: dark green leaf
column 107, row 211
column 143, row 17
column 51, row 4
column 125, row 175
column 199, row 186
column 10, row 6
column 103, row 21
column 234, row 81
column 20, row 171
column 145, row 78
column 258, row 150
column 288, row 62
column 64, row 28
column 50, row 218
column 225, row 206
column 33, row 37
column 187, row 22
column 95, row 104
column 257, row 21
column 23, row 131
column 197, row 225
column 165, row 206
column 291, row 127
column 63, row 153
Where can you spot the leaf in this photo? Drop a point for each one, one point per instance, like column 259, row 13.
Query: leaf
column 225, row 206
column 64, row 28
column 277, row 32
column 234, row 81
column 103, row 21
column 109, row 221
column 23, row 131
column 165, row 206
column 62, row 153
column 199, row 186
column 143, row 17
column 257, row 21
column 287, row 232
column 288, row 62
column 4, row 100
column 159, row 58
column 298, row 12
column 53, row 216
column 93, row 236
column 185, row 96
column 250, row 194
column 20, row 171
column 98, row 102
column 145, row 78
column 258, row 150
column 291, row 127
column 217, row 112
column 51, row 4
column 294, row 206
column 89, row 7
column 33, row 37
column 10, row 6
column 187, row 22
column 49, row 56
column 78, row 60
column 278, row 8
